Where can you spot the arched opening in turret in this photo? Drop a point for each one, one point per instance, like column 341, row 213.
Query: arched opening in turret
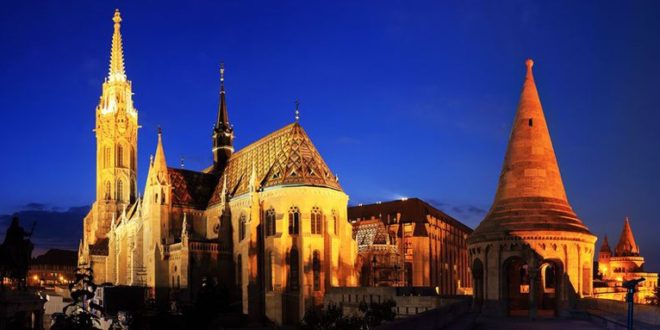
column 551, row 273
column 516, row 286
column 478, row 281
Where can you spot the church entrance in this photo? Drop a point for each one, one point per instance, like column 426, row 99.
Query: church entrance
column 516, row 286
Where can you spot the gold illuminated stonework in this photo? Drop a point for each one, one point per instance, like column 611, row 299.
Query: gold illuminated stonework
column 531, row 253
column 268, row 222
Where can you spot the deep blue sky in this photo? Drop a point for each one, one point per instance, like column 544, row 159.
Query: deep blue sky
column 400, row 99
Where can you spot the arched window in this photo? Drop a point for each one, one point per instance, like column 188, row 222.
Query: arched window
column 106, row 157
column 294, row 221
column 120, row 156
column 120, row 190
column 108, row 191
column 317, row 221
column 294, row 270
column 242, row 227
column 316, row 268
column 335, row 221
column 133, row 164
column 132, row 193
column 271, row 226
column 270, row 274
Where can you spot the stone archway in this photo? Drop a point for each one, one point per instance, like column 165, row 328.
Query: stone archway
column 516, row 286
column 550, row 286
column 478, row 281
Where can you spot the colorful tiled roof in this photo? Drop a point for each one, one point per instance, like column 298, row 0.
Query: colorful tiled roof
column 284, row 157
column 190, row 188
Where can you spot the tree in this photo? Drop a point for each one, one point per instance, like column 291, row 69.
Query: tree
column 82, row 313
column 332, row 317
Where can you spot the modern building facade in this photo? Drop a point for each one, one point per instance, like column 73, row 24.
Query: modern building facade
column 269, row 220
column 408, row 242
column 625, row 263
column 531, row 252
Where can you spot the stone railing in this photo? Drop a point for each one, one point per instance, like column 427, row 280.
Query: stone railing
column 614, row 313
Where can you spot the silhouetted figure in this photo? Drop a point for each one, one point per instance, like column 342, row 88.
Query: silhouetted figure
column 15, row 254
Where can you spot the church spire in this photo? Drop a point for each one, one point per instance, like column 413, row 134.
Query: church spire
column 159, row 162
column 626, row 245
column 223, row 133
column 117, row 72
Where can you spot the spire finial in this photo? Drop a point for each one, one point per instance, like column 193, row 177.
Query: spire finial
column 160, row 131
column 222, row 77
column 117, row 72
column 529, row 64
column 297, row 110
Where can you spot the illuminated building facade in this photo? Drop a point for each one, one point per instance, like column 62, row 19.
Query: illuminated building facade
column 624, row 264
column 268, row 221
column 55, row 267
column 531, row 252
column 410, row 243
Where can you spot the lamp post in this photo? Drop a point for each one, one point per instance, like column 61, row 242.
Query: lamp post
column 631, row 285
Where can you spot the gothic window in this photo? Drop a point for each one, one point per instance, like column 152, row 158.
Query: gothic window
column 132, row 193
column 294, row 270
column 270, row 274
column 133, row 164
column 335, row 220
column 106, row 157
column 271, row 226
column 294, row 220
column 242, row 227
column 120, row 156
column 316, row 268
column 317, row 221
column 107, row 190
column 120, row 190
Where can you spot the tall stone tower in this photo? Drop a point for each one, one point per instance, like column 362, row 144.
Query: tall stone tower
column 116, row 144
column 531, row 252
column 223, row 133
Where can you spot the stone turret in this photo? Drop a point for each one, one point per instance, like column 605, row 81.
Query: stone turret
column 530, row 194
column 531, row 238
column 626, row 245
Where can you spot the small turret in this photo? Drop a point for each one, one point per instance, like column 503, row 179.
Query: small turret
column 626, row 245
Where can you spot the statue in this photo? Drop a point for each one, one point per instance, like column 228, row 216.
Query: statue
column 15, row 254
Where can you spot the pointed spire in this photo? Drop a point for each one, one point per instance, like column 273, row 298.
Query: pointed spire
column 626, row 245
column 117, row 72
column 605, row 247
column 223, row 133
column 222, row 122
column 530, row 166
column 530, row 194
column 159, row 162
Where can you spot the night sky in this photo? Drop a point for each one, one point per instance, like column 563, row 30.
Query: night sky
column 400, row 99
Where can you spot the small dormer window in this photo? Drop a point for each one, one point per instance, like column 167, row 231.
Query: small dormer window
column 531, row 122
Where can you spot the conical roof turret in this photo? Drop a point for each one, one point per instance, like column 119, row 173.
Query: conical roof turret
column 605, row 247
column 626, row 245
column 530, row 194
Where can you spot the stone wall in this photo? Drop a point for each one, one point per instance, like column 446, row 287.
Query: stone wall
column 646, row 314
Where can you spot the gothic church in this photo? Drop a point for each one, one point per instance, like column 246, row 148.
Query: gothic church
column 269, row 220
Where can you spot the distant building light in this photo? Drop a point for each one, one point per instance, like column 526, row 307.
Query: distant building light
column 403, row 199
column 378, row 202
column 360, row 204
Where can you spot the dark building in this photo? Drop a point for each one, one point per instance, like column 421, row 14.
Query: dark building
column 55, row 267
column 408, row 242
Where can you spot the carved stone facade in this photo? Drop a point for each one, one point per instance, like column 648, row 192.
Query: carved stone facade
column 268, row 221
column 531, row 253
